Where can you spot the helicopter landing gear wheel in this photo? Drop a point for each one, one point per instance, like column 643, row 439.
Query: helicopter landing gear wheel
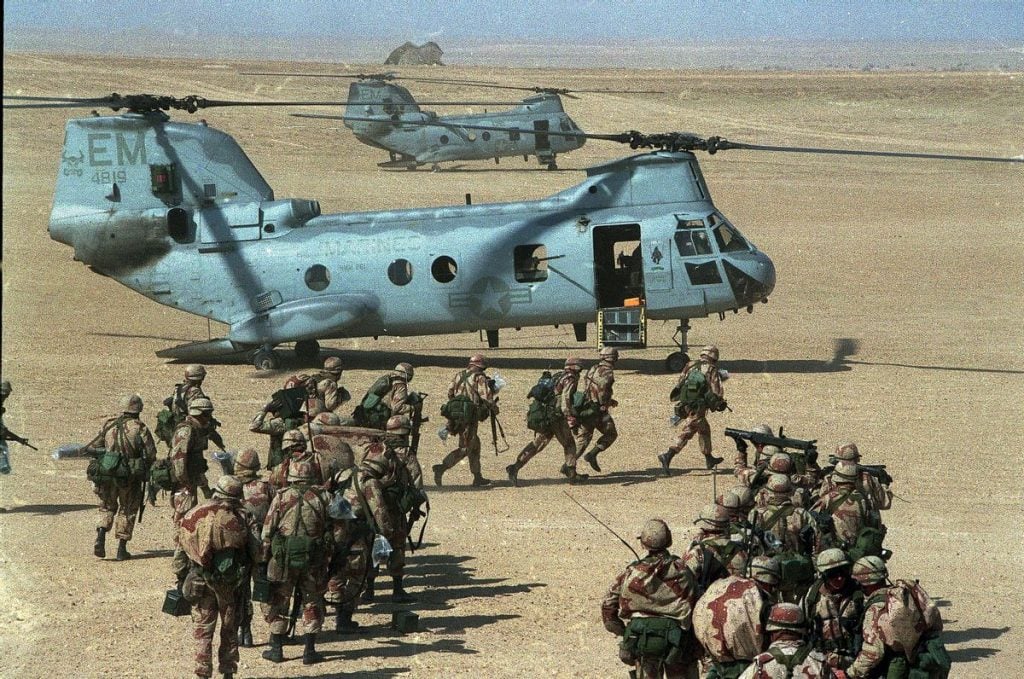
column 266, row 359
column 552, row 165
column 676, row 361
column 307, row 350
column 435, row 168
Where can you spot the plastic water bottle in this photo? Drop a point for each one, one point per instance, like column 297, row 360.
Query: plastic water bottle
column 675, row 420
column 498, row 381
column 381, row 550
column 442, row 433
column 5, row 461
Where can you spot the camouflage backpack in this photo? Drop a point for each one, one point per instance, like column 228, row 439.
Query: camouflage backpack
column 372, row 411
column 693, row 392
column 543, row 411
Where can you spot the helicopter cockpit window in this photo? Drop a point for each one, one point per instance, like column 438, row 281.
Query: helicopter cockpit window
column 318, row 277
column 692, row 242
column 444, row 269
column 564, row 125
column 400, row 272
column 729, row 239
column 531, row 263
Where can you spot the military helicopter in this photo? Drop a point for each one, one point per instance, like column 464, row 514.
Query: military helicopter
column 387, row 116
column 177, row 212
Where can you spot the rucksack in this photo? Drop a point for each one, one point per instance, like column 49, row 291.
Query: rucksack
column 908, row 616
column 543, row 411
column 161, row 475
column 461, row 411
column 693, row 392
column 372, row 411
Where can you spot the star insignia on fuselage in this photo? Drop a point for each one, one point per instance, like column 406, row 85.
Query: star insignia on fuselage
column 490, row 297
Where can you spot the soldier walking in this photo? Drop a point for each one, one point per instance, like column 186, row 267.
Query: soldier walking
column 188, row 470
column 324, row 391
column 297, row 540
column 272, row 423
column 256, row 497
column 218, row 538
column 124, row 451
column 560, row 422
column 475, row 398
column 699, row 389
column 596, row 413
column 650, row 605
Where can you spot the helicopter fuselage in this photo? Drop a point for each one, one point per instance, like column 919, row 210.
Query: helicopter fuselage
column 177, row 212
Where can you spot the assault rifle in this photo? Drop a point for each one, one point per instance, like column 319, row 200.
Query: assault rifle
column 415, row 514
column 294, row 615
column 875, row 470
column 9, row 435
column 416, row 399
column 740, row 436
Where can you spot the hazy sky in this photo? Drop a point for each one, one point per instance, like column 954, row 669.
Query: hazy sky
column 700, row 20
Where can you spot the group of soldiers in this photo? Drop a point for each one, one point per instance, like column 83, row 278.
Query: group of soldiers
column 787, row 577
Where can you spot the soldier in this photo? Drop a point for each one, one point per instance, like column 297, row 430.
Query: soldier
column 740, row 460
column 472, row 385
column 655, row 596
column 780, row 463
column 872, row 487
column 256, row 497
column 598, row 384
column 5, row 433
column 713, row 554
column 296, row 539
column 400, row 428
column 188, row 470
column 900, row 621
column 834, row 608
column 789, row 654
column 327, row 442
column 353, row 534
column 293, row 445
column 857, row 527
column 563, row 421
column 793, row 526
column 178, row 404
column 218, row 538
column 124, row 449
column 698, row 393
column 390, row 495
column 271, row 423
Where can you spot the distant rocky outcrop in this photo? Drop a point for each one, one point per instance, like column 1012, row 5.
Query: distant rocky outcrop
column 428, row 54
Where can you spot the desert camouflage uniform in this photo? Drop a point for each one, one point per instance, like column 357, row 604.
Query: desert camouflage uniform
column 765, row 666
column 325, row 393
column 184, row 394
column 332, row 451
column 696, row 422
column 273, row 426
column 256, row 497
column 598, row 384
column 279, row 476
column 835, row 618
column 565, row 388
column 382, row 477
column 397, row 396
column 850, row 511
column 723, row 556
column 791, row 522
column 123, row 498
column 215, row 525
column 728, row 621
column 879, row 496
column 658, row 586
column 352, row 545
column 188, row 467
column 884, row 639
column 471, row 382
column 299, row 509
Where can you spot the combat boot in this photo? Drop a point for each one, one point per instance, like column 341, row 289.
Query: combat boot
column 275, row 653
column 343, row 622
column 229, row 675
column 591, row 459
column 100, row 548
column 399, row 595
column 710, row 461
column 122, row 551
column 666, row 459
column 439, row 470
column 576, row 478
column 309, row 654
column 479, row 481
column 513, row 473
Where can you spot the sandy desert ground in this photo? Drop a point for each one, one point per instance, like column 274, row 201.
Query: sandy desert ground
column 896, row 322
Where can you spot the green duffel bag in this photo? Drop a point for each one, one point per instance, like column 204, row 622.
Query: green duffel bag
column 795, row 569
column 110, row 466
column 932, row 662
column 653, row 637
column 165, row 424
column 460, row 411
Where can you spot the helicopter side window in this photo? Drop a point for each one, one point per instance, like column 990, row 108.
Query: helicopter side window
column 486, row 136
column 563, row 124
column 400, row 272
column 729, row 239
column 318, row 277
column 513, row 135
column 703, row 274
column 531, row 263
column 444, row 269
column 443, row 139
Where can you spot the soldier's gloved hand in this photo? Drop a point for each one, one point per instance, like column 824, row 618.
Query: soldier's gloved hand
column 741, row 445
column 615, row 626
column 613, row 403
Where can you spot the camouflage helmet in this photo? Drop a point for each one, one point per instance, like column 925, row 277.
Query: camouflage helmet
column 762, row 429
column 132, row 404
column 780, row 484
column 728, row 501
column 770, row 450
column 744, row 494
column 573, row 363
column 5, row 388
column 869, row 570
column 709, row 352
column 398, row 424
column 781, row 463
column 300, row 471
column 831, row 558
column 847, row 451
column 609, row 354
column 713, row 516
column 198, row 406
column 655, row 535
column 195, row 373
column 406, row 369
column 766, row 570
column 247, row 460
column 477, row 361
column 328, row 417
column 293, row 438
column 332, row 364
column 228, row 487
column 845, row 472
column 785, row 618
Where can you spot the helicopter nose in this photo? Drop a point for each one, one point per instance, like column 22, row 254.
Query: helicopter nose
column 751, row 276
column 765, row 273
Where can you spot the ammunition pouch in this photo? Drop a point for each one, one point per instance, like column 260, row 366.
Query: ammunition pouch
column 727, row 670
column 228, row 566
column 654, row 638
column 161, row 475
column 109, row 467
column 295, row 553
column 261, row 588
